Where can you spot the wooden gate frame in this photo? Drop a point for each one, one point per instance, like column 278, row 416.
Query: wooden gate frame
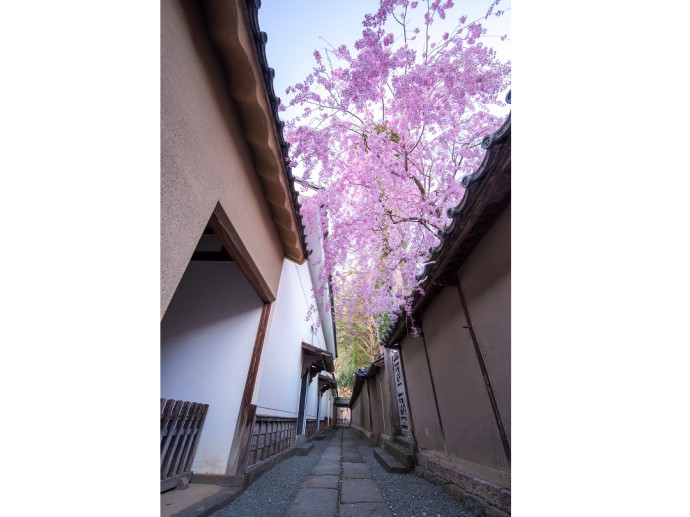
column 239, row 449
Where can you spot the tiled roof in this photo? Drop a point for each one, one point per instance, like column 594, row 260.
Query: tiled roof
column 324, row 356
column 326, row 383
column 362, row 374
column 487, row 194
column 260, row 38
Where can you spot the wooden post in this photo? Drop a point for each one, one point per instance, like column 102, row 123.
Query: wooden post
column 485, row 374
column 301, row 412
column 245, row 422
column 240, row 258
column 433, row 390
column 371, row 418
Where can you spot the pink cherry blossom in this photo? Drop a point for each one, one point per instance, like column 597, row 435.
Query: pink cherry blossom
column 389, row 131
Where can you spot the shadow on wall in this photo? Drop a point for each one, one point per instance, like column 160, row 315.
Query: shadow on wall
column 210, row 294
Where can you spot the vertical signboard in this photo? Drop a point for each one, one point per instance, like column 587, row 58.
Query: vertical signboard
column 400, row 392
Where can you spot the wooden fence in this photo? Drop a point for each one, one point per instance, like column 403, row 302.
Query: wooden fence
column 270, row 436
column 181, row 424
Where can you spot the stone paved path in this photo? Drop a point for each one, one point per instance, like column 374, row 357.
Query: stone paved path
column 340, row 476
column 341, row 484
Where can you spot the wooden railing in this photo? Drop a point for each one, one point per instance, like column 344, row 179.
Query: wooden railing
column 181, row 424
column 311, row 428
column 270, row 436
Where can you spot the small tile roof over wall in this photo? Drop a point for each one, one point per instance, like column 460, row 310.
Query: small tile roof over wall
column 362, row 374
column 326, row 383
column 487, row 194
column 318, row 358
column 260, row 38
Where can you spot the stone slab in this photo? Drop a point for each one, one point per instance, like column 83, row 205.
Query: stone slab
column 356, row 470
column 388, row 462
column 352, row 457
column 360, row 491
column 330, row 469
column 328, row 461
column 197, row 499
column 314, row 501
column 364, row 510
column 303, row 450
column 399, row 452
column 322, row 482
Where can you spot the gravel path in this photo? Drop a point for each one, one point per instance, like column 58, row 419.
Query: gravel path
column 272, row 493
column 408, row 495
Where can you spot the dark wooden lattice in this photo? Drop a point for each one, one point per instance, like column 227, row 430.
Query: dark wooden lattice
column 270, row 436
column 181, row 424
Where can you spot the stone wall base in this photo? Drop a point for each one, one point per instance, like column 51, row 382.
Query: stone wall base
column 484, row 498
column 370, row 438
column 251, row 476
column 218, row 479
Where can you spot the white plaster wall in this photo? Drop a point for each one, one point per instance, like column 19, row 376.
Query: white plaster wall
column 312, row 399
column 315, row 243
column 278, row 384
column 326, row 408
column 207, row 339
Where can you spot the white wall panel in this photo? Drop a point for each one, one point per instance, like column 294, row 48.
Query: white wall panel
column 207, row 339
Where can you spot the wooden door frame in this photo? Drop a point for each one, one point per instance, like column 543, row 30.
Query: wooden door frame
column 237, row 459
column 239, row 255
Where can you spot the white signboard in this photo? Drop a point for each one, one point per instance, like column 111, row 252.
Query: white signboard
column 400, row 392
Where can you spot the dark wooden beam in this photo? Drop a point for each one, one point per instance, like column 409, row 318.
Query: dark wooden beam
column 212, row 256
column 231, row 244
column 433, row 389
column 237, row 461
column 485, row 374
column 371, row 418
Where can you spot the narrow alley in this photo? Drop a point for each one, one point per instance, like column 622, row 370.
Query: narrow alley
column 340, row 476
column 266, row 405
